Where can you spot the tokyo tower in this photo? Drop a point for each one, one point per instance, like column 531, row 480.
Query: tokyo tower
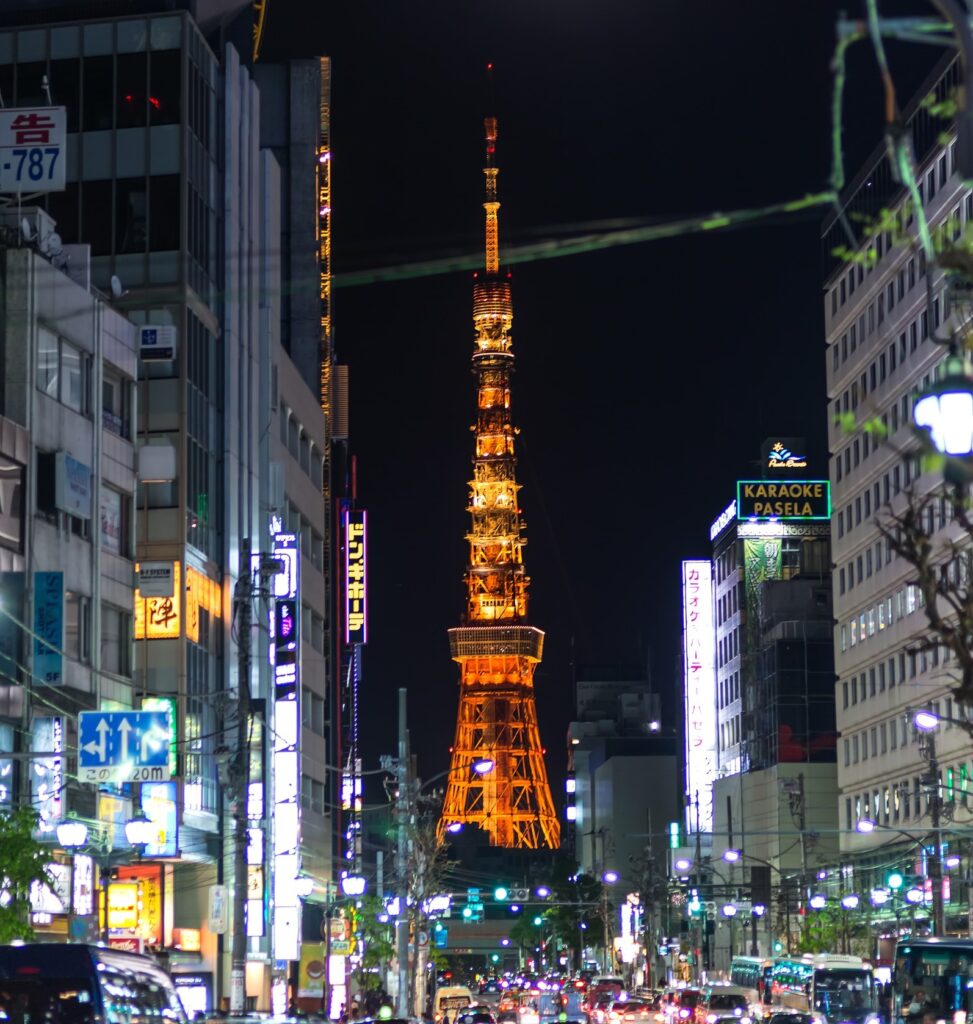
column 496, row 648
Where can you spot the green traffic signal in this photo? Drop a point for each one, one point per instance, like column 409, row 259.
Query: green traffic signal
column 538, row 921
column 500, row 893
column 895, row 880
column 778, row 947
column 467, row 913
column 495, row 957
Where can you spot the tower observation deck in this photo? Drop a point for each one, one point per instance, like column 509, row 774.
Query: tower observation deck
column 496, row 648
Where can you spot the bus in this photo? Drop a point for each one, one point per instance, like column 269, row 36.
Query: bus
column 77, row 984
column 831, row 987
column 932, row 975
column 754, row 972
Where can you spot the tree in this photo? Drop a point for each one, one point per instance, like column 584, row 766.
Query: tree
column 427, row 864
column 943, row 576
column 378, row 947
column 23, row 864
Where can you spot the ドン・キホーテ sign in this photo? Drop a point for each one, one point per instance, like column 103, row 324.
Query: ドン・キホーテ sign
column 783, row 499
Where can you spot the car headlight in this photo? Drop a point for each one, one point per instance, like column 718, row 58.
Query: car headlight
column 711, row 1018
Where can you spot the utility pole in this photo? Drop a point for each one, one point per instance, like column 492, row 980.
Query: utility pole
column 402, row 814
column 935, row 816
column 243, row 601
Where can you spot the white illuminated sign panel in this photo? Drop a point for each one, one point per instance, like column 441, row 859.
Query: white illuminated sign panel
column 723, row 520
column 699, row 660
column 286, row 776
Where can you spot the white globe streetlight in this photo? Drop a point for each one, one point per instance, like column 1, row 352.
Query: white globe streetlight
column 945, row 410
column 353, row 885
column 818, row 901
column 72, row 834
column 850, row 902
column 925, row 721
column 140, row 831
column 865, row 825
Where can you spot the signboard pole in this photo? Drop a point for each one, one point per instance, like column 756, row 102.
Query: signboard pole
column 244, row 610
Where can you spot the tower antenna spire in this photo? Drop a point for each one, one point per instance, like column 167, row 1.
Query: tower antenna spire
column 491, row 204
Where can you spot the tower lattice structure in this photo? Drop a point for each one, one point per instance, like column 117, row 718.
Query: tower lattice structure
column 496, row 648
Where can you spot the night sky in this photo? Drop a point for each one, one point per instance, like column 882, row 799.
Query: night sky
column 647, row 375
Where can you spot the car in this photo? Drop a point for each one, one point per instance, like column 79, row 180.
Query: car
column 724, row 1001
column 789, row 1017
column 631, row 1011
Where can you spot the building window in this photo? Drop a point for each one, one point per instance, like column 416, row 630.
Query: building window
column 116, row 641
column 116, row 404
column 63, row 371
column 77, row 627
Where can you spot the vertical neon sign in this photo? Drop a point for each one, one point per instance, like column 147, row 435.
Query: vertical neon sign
column 285, row 652
column 699, row 659
column 356, row 621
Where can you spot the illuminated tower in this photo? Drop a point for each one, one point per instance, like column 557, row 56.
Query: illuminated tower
column 496, row 649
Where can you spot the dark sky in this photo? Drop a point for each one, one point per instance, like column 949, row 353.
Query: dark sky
column 646, row 375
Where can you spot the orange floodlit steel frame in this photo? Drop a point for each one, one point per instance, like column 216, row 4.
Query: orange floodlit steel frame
column 496, row 648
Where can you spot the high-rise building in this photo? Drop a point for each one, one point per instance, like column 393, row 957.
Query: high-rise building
column 759, row 674
column 881, row 311
column 496, row 648
column 170, row 184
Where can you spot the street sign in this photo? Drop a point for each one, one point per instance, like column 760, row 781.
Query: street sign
column 32, row 149
column 124, row 746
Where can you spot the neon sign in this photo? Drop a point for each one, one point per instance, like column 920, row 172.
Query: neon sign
column 699, row 660
column 723, row 520
column 356, row 624
column 781, row 457
column 286, row 777
column 783, row 499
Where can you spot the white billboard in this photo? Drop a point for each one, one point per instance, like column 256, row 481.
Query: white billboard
column 699, row 661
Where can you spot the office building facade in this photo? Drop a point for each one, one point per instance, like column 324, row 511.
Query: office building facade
column 881, row 313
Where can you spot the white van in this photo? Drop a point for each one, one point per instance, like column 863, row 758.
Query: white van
column 450, row 999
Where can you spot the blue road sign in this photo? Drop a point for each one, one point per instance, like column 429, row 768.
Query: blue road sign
column 124, row 746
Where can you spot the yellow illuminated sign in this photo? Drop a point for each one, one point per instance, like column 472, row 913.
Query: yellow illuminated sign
column 160, row 618
column 123, row 905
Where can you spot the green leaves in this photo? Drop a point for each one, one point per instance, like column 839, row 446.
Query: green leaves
column 23, row 861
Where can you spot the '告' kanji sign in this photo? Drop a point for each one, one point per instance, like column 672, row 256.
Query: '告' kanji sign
column 32, row 149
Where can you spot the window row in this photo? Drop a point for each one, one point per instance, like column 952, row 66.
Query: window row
column 882, row 243
column 728, row 647
column 909, row 799
column 302, row 449
column 880, row 616
column 312, row 711
column 729, row 689
column 63, row 371
column 312, row 794
column 115, row 635
column 858, row 391
column 873, row 318
column 312, row 629
column 866, row 563
column 312, row 543
column 728, row 604
column 726, row 563
column 730, row 732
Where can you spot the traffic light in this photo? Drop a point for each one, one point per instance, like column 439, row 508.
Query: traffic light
column 895, row 881
column 500, row 894
column 778, row 946
column 538, row 921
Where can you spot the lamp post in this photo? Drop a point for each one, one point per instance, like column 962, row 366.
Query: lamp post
column 758, row 910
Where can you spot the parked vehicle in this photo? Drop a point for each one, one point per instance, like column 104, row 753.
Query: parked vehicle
column 60, row 983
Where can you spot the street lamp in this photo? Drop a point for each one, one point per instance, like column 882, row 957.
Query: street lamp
column 454, row 827
column 818, row 901
column 925, row 721
column 610, row 877
column 945, row 410
column 140, row 832
column 682, row 864
column 353, row 885
column 729, row 910
column 543, row 892
column 879, row 897
column 865, row 825
column 731, row 856
column 483, row 766
column 72, row 834
column 850, row 902
column 914, row 895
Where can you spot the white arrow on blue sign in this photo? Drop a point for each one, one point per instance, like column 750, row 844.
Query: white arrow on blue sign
column 124, row 746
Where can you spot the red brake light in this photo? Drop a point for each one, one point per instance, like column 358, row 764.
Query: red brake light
column 28, row 970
